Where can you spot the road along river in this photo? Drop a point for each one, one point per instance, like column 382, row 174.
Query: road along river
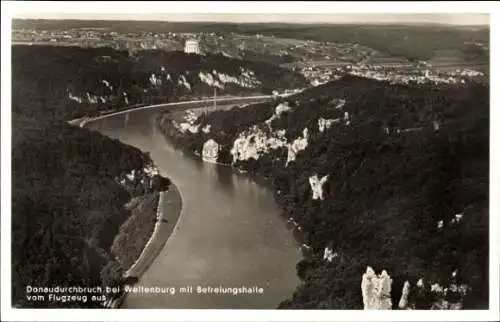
column 229, row 235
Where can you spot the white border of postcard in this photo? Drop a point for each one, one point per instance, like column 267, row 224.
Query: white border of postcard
column 17, row 9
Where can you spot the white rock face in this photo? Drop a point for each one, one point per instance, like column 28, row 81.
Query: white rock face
column 441, row 303
column 248, row 79
column 155, row 81
column 206, row 128
column 367, row 286
column 317, row 186
column 282, row 107
column 440, row 224
column 183, row 82
column 189, row 125
column 151, row 170
column 281, row 133
column 436, row 288
column 440, row 293
column 254, row 142
column 210, row 151
column 245, row 79
column 376, row 290
column 92, row 99
column 184, row 127
column 208, row 79
column 131, row 176
column 126, row 98
column 384, row 291
column 75, row 98
column 403, row 302
column 190, row 117
column 107, row 84
column 324, row 124
column 457, row 219
column 435, row 125
column 329, row 255
column 339, row 103
column 298, row 145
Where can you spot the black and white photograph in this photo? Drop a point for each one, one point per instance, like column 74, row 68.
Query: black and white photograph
column 274, row 161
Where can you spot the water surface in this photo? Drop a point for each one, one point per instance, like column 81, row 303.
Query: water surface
column 229, row 233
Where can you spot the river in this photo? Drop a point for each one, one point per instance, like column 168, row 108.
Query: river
column 230, row 232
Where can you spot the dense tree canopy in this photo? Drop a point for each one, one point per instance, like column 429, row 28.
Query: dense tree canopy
column 68, row 207
column 387, row 188
column 42, row 87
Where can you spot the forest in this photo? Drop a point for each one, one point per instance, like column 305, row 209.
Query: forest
column 73, row 222
column 68, row 207
column 388, row 189
column 58, row 72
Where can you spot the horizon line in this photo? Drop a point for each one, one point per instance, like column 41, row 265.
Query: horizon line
column 413, row 23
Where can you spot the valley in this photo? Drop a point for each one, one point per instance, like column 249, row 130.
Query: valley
column 334, row 167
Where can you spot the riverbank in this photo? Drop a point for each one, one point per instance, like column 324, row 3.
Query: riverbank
column 168, row 210
column 177, row 139
column 167, row 218
column 134, row 234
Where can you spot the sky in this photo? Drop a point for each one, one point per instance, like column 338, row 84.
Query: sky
column 456, row 13
column 455, row 19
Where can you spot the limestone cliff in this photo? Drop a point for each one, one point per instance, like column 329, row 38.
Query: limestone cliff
column 376, row 290
column 210, row 151
column 317, row 186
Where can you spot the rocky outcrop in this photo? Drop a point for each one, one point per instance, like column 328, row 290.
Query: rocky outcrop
column 183, row 127
column 74, row 98
column 190, row 124
column 254, row 142
column 155, row 81
column 441, row 297
column 324, row 124
column 282, row 107
column 457, row 218
column 210, row 80
column 246, row 79
column 210, row 151
column 346, row 118
column 92, row 98
column 329, row 255
column 376, row 290
column 206, row 129
column 136, row 176
column 182, row 81
column 298, row 144
column 317, row 186
column 403, row 302
column 339, row 103
column 107, row 84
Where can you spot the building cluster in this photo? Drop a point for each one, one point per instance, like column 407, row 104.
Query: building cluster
column 319, row 62
column 131, row 41
column 401, row 74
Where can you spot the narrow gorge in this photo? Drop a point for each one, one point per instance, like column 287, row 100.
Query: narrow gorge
column 357, row 165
